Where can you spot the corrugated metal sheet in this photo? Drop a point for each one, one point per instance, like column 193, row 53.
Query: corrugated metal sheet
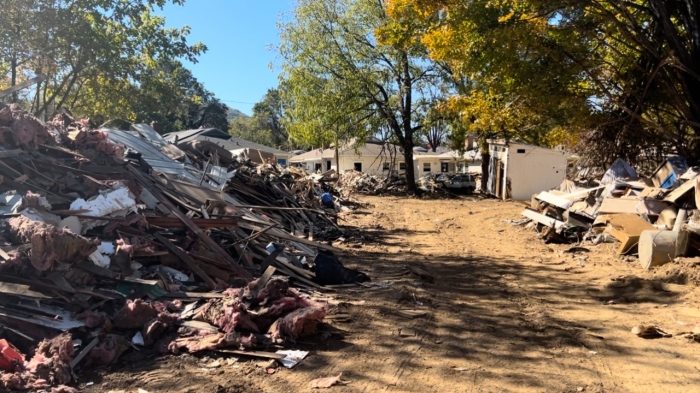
column 159, row 161
column 149, row 134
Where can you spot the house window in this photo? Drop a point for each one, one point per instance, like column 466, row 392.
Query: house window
column 426, row 167
column 444, row 167
column 317, row 167
column 328, row 165
column 385, row 166
column 521, row 151
column 402, row 166
column 358, row 166
column 281, row 161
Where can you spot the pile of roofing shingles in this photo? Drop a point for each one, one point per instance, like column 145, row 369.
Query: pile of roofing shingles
column 114, row 239
column 653, row 216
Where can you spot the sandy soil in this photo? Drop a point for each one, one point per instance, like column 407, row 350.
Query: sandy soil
column 506, row 313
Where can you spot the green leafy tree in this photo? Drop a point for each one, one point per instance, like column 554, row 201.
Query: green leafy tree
column 338, row 81
column 88, row 44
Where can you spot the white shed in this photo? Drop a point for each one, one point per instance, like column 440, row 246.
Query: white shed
column 517, row 170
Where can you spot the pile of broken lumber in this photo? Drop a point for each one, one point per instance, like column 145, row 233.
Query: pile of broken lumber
column 656, row 217
column 116, row 239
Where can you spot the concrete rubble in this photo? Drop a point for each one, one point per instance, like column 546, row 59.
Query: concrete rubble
column 656, row 217
column 115, row 239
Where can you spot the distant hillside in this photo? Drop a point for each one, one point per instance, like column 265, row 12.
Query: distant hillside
column 234, row 113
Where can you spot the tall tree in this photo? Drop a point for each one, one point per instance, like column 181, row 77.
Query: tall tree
column 80, row 42
column 339, row 79
column 268, row 113
column 624, row 71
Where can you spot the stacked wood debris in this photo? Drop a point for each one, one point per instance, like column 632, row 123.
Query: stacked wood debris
column 655, row 217
column 116, row 239
column 362, row 183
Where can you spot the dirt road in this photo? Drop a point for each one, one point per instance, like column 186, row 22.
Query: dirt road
column 506, row 313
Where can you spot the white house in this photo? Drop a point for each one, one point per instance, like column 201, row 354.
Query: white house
column 311, row 161
column 373, row 157
column 518, row 170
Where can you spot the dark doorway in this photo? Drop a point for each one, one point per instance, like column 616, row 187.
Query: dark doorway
column 358, row 166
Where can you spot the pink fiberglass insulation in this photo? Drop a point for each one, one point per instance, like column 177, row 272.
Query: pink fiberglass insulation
column 135, row 314
column 36, row 201
column 5, row 115
column 107, row 351
column 154, row 328
column 228, row 314
column 92, row 319
column 51, row 360
column 27, row 130
column 299, row 322
column 49, row 244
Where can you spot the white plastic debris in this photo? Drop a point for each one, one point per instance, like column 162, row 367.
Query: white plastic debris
column 138, row 339
column 106, row 248
column 100, row 259
column 292, row 357
column 174, row 274
column 115, row 202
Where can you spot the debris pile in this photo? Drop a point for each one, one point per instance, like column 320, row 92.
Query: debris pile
column 116, row 239
column 363, row 183
column 656, row 217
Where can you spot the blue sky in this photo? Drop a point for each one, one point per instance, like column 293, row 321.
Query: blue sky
column 238, row 34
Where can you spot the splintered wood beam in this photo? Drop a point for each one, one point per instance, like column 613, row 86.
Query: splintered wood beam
column 180, row 253
column 209, row 242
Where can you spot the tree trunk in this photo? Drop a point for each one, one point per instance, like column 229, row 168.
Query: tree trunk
column 410, row 170
column 485, row 162
column 13, row 78
column 337, row 157
column 407, row 126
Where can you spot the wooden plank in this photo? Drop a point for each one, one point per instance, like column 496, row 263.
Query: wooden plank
column 260, row 284
column 254, row 354
column 681, row 191
column 276, row 232
column 581, row 194
column 554, row 200
column 627, row 228
column 193, row 295
column 209, row 242
column 84, row 352
column 631, row 206
column 296, row 269
column 186, row 259
column 21, row 290
column 542, row 219
column 295, row 276
column 173, row 222
column 60, row 281
column 683, row 243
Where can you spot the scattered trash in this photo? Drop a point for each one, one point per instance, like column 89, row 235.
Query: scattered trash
column 117, row 240
column 655, row 216
column 292, row 358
